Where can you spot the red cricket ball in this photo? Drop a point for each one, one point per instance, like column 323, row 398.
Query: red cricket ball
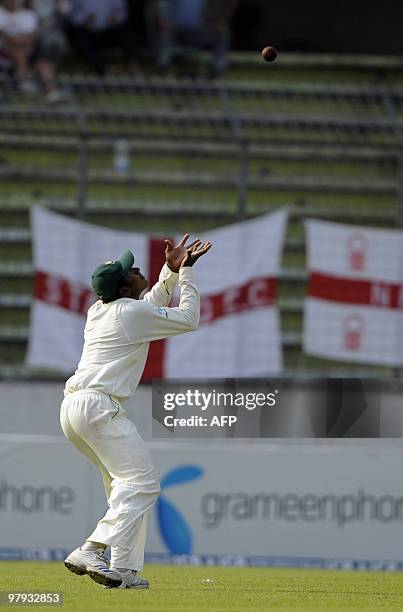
column 269, row 54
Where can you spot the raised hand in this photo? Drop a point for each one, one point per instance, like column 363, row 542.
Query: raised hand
column 175, row 254
column 181, row 255
column 194, row 251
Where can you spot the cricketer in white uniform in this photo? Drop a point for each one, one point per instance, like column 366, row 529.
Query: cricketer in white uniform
column 117, row 334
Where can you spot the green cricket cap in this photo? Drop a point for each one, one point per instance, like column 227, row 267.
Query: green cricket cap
column 107, row 276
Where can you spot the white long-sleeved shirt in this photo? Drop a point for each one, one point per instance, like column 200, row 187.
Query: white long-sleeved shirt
column 117, row 335
column 13, row 23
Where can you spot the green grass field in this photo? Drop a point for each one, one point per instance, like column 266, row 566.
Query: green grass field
column 236, row 589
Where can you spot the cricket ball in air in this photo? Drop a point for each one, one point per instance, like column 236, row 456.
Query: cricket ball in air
column 269, row 54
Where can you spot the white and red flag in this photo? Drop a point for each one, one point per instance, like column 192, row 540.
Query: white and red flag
column 354, row 305
column 239, row 333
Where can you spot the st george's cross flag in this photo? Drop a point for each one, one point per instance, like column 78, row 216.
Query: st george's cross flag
column 354, row 305
column 239, row 332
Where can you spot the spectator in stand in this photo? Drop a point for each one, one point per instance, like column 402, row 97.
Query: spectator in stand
column 217, row 32
column 18, row 29
column 50, row 45
column 97, row 25
column 27, row 50
column 193, row 23
column 137, row 11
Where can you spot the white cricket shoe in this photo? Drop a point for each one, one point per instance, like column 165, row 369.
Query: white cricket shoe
column 95, row 565
column 132, row 580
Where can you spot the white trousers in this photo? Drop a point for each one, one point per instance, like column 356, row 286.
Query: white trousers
column 98, row 426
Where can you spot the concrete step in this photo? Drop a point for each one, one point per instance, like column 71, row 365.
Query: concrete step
column 97, row 120
column 155, row 147
column 206, row 180
column 19, row 208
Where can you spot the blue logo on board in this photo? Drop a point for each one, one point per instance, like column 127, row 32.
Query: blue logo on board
column 174, row 529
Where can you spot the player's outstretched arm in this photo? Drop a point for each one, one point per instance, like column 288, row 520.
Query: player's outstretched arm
column 146, row 322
